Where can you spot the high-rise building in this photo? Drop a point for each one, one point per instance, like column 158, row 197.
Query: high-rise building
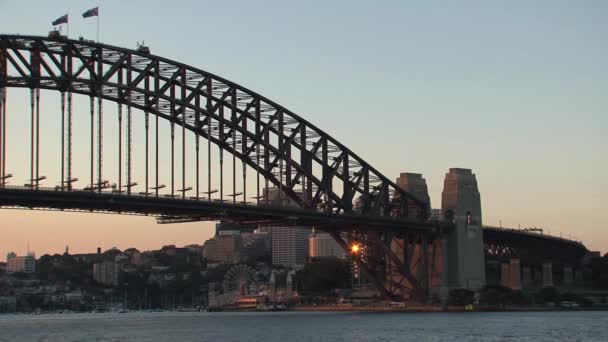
column 274, row 197
column 321, row 245
column 226, row 228
column 290, row 246
column 20, row 264
column 233, row 246
column 209, row 249
column 256, row 246
column 226, row 248
column 106, row 273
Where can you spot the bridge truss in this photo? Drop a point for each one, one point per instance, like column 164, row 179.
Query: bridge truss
column 315, row 180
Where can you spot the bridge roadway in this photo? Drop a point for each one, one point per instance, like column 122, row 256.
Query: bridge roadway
column 500, row 243
column 531, row 247
column 177, row 208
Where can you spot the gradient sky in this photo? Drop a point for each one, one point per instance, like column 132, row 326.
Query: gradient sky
column 515, row 90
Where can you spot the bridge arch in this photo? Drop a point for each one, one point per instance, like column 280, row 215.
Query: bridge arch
column 265, row 136
column 258, row 131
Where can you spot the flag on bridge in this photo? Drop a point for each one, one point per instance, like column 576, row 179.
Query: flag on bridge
column 93, row 12
column 61, row 20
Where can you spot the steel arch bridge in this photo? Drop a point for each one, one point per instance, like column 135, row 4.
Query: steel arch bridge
column 314, row 179
column 301, row 175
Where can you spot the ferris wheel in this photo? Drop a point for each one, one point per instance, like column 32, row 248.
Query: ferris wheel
column 239, row 279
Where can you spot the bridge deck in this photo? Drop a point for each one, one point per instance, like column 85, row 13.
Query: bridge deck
column 201, row 209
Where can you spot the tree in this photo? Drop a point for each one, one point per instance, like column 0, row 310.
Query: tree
column 322, row 275
column 495, row 295
column 461, row 297
column 599, row 272
column 548, row 294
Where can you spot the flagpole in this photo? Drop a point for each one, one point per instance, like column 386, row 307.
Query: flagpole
column 98, row 21
column 67, row 26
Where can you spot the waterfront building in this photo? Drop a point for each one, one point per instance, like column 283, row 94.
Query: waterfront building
column 322, row 245
column 106, row 273
column 20, row 264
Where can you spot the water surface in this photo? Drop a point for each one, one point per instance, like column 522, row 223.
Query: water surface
column 307, row 326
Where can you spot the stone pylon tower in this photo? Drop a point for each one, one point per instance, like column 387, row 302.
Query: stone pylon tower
column 464, row 257
column 423, row 257
column 415, row 184
column 461, row 195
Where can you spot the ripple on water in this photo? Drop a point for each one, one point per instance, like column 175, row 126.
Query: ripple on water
column 307, row 326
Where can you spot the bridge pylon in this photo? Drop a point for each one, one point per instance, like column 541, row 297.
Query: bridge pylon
column 464, row 258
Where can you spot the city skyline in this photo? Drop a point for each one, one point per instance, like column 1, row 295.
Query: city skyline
column 533, row 107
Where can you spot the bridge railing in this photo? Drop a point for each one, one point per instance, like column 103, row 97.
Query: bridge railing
column 534, row 233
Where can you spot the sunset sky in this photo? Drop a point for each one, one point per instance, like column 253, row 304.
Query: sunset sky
column 516, row 91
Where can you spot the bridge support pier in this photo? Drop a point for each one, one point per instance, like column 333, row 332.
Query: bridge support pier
column 526, row 276
column 578, row 277
column 443, row 290
column 514, row 274
column 537, row 276
column 504, row 274
column 568, row 276
column 387, row 262
column 547, row 274
column 510, row 274
column 465, row 257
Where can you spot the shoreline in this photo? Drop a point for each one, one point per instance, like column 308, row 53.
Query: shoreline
column 345, row 308
column 438, row 309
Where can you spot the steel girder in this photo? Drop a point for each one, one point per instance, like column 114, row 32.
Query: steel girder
column 530, row 247
column 400, row 266
column 261, row 133
column 177, row 209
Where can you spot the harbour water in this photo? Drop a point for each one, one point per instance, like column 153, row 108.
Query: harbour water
column 307, row 326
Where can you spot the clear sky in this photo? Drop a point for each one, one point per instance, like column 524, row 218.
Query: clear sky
column 515, row 90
